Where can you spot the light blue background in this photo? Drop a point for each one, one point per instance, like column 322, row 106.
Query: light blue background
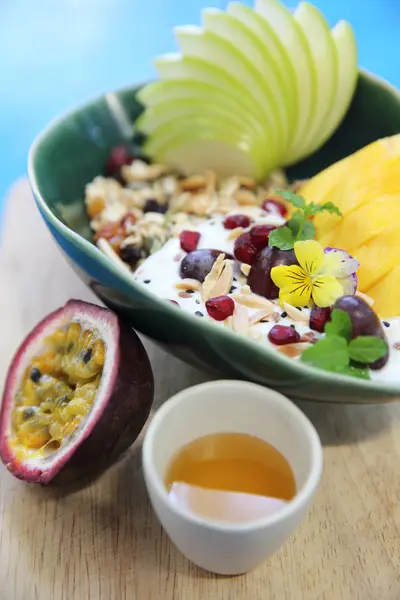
column 55, row 54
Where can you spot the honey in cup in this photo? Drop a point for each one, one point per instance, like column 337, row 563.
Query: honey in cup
column 231, row 477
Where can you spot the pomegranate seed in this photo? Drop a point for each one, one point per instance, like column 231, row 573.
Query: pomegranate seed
column 118, row 157
column 236, row 221
column 174, row 302
column 319, row 317
column 274, row 206
column 220, row 308
column 189, row 240
column 282, row 335
column 259, row 235
column 244, row 249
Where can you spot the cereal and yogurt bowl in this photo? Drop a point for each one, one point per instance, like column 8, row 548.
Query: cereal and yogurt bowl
column 278, row 267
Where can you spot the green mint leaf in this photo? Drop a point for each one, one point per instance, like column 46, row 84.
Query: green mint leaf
column 328, row 353
column 313, row 209
column 308, row 231
column 295, row 199
column 296, row 222
column 366, row 349
column 282, row 238
column 332, row 208
column 340, row 324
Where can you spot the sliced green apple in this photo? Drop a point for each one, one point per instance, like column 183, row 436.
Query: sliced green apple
column 210, row 47
column 346, row 52
column 185, row 68
column 295, row 41
column 319, row 39
column 163, row 113
column 159, row 93
column 194, row 145
column 233, row 31
column 274, row 52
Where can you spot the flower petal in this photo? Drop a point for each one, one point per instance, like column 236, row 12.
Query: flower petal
column 349, row 284
column 310, row 255
column 339, row 263
column 296, row 296
column 285, row 276
column 326, row 290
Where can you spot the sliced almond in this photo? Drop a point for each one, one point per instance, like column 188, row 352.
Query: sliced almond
column 219, row 280
column 370, row 301
column 240, row 319
column 193, row 183
column 235, row 233
column 294, row 313
column 259, row 316
column 245, row 270
column 247, row 182
column 245, row 198
column 254, row 301
column 188, row 284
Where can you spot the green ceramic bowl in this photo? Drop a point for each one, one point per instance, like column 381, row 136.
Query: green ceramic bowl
column 73, row 150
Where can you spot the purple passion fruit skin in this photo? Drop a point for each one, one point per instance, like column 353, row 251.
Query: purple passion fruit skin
column 117, row 415
column 364, row 321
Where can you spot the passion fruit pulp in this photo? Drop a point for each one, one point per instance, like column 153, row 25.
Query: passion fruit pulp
column 77, row 394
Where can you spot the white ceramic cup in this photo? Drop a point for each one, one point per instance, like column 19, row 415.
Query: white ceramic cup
column 239, row 407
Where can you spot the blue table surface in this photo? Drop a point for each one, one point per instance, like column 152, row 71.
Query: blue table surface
column 56, row 54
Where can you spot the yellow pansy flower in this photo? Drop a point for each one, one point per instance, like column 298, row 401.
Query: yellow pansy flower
column 321, row 277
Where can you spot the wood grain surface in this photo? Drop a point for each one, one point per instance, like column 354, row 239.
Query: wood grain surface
column 104, row 542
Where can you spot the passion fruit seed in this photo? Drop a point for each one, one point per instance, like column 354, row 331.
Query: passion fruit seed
column 189, row 240
column 87, row 355
column 280, row 335
column 35, row 375
column 234, row 221
column 271, row 205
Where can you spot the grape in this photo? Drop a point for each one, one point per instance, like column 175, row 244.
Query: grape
column 198, row 264
column 364, row 321
column 259, row 278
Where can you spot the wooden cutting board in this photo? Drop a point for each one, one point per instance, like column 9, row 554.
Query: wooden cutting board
column 104, row 542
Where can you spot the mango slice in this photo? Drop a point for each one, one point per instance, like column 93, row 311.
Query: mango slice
column 366, row 188
column 386, row 294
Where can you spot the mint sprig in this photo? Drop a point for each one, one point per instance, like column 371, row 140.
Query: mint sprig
column 338, row 353
column 299, row 227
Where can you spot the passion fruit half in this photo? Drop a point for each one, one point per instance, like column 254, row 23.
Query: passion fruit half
column 77, row 394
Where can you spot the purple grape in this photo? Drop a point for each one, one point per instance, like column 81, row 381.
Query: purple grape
column 197, row 264
column 259, row 278
column 364, row 321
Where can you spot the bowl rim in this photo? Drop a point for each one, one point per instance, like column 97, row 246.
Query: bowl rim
column 304, row 494
column 385, row 391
